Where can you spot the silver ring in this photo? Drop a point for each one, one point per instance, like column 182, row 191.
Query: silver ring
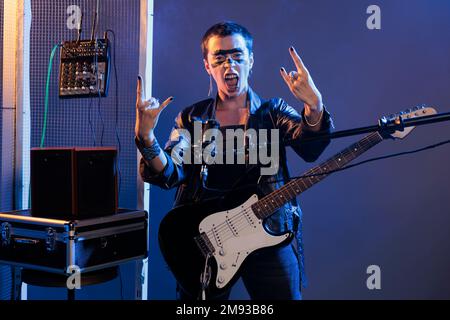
column 154, row 102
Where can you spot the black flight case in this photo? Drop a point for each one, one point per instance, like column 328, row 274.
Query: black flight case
column 57, row 245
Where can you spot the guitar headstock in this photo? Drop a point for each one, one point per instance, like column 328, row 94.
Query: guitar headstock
column 397, row 119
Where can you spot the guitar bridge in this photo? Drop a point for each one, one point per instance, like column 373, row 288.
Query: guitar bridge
column 204, row 244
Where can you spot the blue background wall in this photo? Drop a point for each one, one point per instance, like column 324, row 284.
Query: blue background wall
column 393, row 213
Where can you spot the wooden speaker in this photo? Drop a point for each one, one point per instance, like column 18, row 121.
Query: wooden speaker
column 73, row 182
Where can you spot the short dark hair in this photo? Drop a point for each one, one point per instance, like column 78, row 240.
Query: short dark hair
column 226, row 28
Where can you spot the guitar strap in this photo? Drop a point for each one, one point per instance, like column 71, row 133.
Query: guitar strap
column 294, row 223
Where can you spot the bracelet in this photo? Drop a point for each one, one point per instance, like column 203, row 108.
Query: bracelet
column 318, row 121
column 149, row 153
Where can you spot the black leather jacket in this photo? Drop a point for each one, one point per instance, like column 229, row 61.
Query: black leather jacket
column 264, row 114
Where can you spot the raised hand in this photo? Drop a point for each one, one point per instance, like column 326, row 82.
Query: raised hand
column 301, row 84
column 147, row 113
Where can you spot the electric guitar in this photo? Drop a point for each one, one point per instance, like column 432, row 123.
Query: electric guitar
column 205, row 244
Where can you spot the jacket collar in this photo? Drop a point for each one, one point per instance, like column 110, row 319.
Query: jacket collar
column 255, row 101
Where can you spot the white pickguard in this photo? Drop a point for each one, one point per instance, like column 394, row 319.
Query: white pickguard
column 235, row 234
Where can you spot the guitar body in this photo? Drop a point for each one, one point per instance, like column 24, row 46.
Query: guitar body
column 233, row 233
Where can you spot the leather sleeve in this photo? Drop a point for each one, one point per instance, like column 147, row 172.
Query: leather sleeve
column 174, row 172
column 293, row 128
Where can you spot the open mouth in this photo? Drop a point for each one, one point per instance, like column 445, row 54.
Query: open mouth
column 232, row 81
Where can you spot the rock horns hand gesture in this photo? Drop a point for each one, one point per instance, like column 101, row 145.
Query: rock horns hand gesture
column 301, row 84
column 147, row 113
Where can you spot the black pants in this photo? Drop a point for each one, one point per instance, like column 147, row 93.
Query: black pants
column 268, row 274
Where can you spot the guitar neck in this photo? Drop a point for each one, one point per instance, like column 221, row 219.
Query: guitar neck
column 270, row 203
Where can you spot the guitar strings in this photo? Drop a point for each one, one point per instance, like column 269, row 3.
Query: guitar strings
column 372, row 159
column 235, row 219
column 378, row 158
column 223, row 230
column 317, row 171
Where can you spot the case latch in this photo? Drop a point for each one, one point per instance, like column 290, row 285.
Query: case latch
column 5, row 234
column 50, row 240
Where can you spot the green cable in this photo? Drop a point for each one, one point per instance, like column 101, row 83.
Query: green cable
column 49, row 72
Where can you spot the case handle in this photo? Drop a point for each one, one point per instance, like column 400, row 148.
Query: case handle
column 26, row 241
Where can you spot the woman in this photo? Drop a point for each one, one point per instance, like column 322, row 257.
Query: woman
column 268, row 273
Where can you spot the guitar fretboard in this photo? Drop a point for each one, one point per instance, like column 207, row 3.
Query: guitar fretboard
column 269, row 204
